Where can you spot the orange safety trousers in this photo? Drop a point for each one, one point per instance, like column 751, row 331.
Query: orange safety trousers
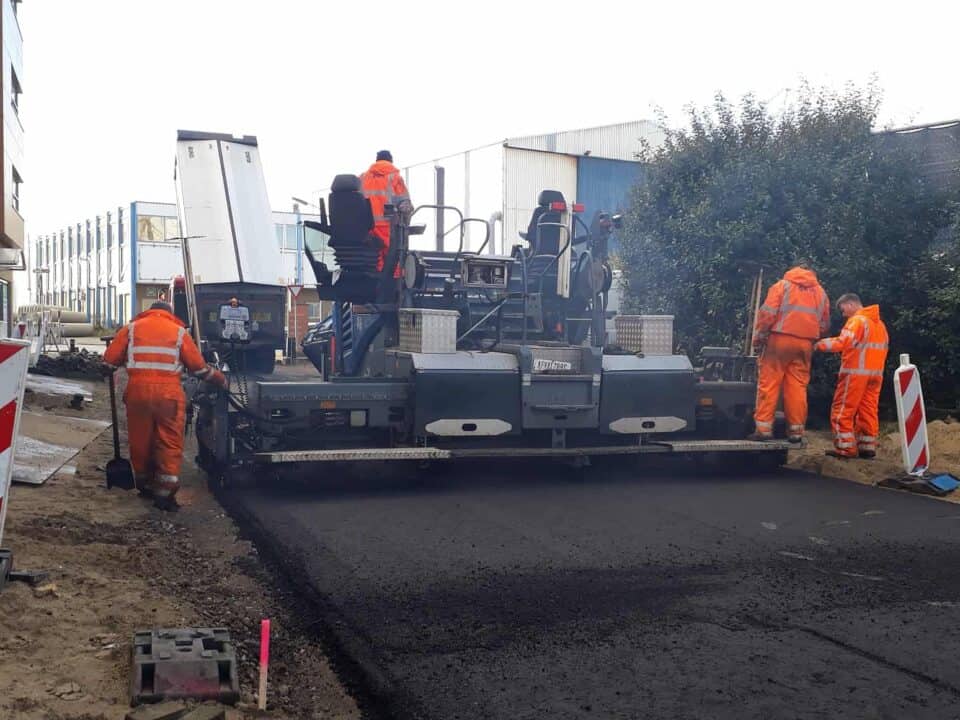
column 156, row 414
column 854, row 416
column 785, row 363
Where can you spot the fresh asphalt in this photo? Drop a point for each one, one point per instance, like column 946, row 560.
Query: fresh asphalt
column 505, row 591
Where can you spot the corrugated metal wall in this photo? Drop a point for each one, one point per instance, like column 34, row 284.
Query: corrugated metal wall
column 618, row 142
column 526, row 174
column 605, row 185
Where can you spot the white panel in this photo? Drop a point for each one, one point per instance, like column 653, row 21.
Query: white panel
column 253, row 220
column 159, row 209
column 618, row 142
column 158, row 262
column 526, row 174
column 202, row 202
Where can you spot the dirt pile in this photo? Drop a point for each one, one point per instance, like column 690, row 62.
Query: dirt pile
column 944, row 439
column 80, row 364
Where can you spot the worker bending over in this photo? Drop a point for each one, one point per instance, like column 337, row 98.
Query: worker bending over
column 155, row 347
column 383, row 185
column 795, row 314
column 863, row 345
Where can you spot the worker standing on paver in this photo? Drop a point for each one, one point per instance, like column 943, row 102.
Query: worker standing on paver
column 795, row 314
column 383, row 185
column 155, row 347
column 863, row 344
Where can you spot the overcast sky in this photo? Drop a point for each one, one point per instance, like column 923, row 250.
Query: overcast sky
column 325, row 84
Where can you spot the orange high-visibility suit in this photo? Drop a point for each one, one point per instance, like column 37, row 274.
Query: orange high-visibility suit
column 383, row 185
column 795, row 313
column 155, row 347
column 854, row 419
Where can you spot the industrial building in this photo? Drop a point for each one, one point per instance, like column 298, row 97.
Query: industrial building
column 11, row 150
column 595, row 167
column 115, row 265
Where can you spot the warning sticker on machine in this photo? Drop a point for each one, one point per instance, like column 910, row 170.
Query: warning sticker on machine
column 547, row 365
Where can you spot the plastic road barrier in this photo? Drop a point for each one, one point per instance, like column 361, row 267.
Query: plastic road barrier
column 14, row 357
column 912, row 417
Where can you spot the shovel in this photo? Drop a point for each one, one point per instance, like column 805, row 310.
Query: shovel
column 119, row 470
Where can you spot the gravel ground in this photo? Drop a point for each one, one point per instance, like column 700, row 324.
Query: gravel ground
column 117, row 564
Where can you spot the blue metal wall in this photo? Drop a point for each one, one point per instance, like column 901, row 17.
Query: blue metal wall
column 605, row 185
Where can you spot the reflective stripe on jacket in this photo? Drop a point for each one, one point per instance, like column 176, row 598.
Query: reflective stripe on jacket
column 795, row 305
column 383, row 185
column 863, row 343
column 155, row 347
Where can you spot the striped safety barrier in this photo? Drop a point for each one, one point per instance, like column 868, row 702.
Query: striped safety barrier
column 14, row 357
column 912, row 417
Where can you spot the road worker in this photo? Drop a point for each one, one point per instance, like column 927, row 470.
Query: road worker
column 863, row 345
column 383, row 185
column 155, row 347
column 795, row 314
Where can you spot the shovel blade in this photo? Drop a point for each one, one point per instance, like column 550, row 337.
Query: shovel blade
column 120, row 474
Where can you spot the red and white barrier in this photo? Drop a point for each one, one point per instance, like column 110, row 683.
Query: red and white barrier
column 912, row 417
column 14, row 357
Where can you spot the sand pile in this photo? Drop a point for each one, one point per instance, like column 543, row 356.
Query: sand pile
column 944, row 439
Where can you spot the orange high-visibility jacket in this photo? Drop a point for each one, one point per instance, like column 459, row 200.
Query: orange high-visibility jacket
column 383, row 185
column 155, row 347
column 863, row 343
column 795, row 305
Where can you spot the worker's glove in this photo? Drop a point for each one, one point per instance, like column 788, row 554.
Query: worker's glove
column 760, row 341
column 217, row 378
column 106, row 370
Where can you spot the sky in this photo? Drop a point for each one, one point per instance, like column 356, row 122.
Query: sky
column 324, row 85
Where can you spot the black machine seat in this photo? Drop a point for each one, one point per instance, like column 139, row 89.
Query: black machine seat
column 349, row 227
column 351, row 220
column 550, row 238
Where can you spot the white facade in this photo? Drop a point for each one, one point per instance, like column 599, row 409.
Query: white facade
column 117, row 264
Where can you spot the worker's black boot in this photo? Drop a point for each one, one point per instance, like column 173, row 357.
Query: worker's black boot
column 167, row 504
column 759, row 437
column 867, row 454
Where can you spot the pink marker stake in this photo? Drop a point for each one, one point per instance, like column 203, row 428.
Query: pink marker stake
column 264, row 662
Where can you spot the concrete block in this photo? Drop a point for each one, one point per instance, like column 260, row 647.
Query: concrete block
column 206, row 712
column 160, row 711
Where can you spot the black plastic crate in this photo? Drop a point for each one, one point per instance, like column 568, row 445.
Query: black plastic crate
column 180, row 663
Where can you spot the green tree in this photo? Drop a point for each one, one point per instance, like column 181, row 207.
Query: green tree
column 742, row 188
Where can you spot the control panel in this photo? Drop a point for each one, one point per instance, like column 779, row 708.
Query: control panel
column 485, row 272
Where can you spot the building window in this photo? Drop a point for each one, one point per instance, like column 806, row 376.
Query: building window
column 314, row 311
column 15, row 89
column 291, row 237
column 17, row 181
column 153, row 228
column 278, row 229
column 172, row 227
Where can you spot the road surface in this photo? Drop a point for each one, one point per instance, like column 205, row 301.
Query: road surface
column 498, row 592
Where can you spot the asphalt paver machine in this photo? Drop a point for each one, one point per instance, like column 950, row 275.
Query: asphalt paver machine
column 455, row 355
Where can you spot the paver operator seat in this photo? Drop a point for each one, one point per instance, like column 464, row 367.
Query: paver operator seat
column 349, row 227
